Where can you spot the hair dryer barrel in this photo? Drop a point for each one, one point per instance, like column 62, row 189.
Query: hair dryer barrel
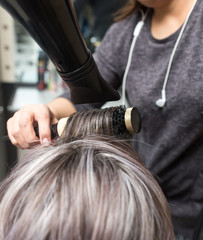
column 54, row 26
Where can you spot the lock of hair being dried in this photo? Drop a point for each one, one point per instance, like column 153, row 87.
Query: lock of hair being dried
column 114, row 121
column 119, row 121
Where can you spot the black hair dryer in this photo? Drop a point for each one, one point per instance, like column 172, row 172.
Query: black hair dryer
column 54, row 26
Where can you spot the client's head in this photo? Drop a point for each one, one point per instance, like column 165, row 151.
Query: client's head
column 93, row 188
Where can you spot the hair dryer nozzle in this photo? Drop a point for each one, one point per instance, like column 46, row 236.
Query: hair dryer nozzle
column 86, row 84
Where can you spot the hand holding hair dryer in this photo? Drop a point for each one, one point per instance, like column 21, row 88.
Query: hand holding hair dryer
column 54, row 26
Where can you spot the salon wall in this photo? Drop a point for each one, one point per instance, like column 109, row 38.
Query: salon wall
column 7, row 71
column 6, row 77
column 21, row 66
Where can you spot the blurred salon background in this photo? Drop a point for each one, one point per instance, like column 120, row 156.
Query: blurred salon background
column 26, row 74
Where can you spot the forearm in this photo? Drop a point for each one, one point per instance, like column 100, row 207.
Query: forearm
column 61, row 107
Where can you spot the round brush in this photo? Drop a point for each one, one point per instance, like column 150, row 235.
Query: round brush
column 114, row 121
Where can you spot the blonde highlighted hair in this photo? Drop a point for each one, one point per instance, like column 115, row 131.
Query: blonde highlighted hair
column 93, row 188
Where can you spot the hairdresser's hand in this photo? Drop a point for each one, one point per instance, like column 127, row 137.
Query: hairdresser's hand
column 20, row 126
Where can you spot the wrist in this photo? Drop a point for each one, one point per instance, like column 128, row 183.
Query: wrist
column 61, row 107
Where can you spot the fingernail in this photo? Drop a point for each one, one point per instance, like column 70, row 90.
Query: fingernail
column 45, row 141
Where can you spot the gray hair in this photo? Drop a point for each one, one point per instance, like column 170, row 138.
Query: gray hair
column 94, row 188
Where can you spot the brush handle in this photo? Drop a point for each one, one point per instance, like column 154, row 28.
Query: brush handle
column 53, row 128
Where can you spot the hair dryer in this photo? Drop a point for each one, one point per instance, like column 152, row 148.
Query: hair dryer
column 54, row 26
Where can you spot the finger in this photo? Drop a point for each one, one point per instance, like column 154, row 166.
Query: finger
column 15, row 132
column 12, row 139
column 26, row 121
column 43, row 118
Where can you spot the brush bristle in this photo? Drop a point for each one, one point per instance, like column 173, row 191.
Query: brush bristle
column 119, row 128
